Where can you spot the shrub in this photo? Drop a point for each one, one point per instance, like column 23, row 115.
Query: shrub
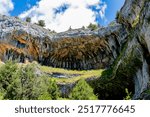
column 41, row 23
column 83, row 28
column 44, row 96
column 28, row 19
column 82, row 91
column 54, row 31
column 92, row 26
column 70, row 28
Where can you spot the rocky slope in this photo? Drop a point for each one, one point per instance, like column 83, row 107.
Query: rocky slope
column 124, row 49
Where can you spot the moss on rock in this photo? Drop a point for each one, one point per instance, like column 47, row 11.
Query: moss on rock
column 114, row 81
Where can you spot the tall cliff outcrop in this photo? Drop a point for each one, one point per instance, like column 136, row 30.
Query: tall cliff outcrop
column 137, row 20
column 74, row 49
column 124, row 49
column 131, row 68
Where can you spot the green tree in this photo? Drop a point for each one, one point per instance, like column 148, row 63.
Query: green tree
column 2, row 93
column 53, row 31
column 43, row 84
column 21, row 83
column 44, row 96
column 26, row 85
column 28, row 19
column 29, row 86
column 6, row 78
column 70, row 28
column 92, row 26
column 83, row 28
column 41, row 23
column 53, row 90
column 26, row 79
column 6, row 72
column 82, row 91
column 1, row 96
column 117, row 15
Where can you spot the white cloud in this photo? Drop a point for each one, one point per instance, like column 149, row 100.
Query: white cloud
column 6, row 6
column 77, row 15
column 102, row 11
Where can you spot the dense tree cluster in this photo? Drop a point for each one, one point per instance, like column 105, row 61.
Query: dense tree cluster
column 19, row 82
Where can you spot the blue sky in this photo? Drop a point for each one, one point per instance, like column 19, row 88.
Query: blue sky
column 22, row 5
column 112, row 7
column 61, row 14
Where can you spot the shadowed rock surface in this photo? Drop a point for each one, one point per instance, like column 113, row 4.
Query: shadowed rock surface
column 131, row 68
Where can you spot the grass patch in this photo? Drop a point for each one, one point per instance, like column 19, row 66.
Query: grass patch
column 84, row 74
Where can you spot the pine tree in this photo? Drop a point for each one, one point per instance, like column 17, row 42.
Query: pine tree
column 6, row 72
column 92, row 26
column 53, row 90
column 82, row 91
column 26, row 85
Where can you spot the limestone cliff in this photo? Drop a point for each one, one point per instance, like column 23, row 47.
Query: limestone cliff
column 131, row 68
column 136, row 15
column 74, row 49
column 123, row 49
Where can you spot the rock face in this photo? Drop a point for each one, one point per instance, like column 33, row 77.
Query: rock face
column 131, row 68
column 126, row 45
column 74, row 49
column 138, row 16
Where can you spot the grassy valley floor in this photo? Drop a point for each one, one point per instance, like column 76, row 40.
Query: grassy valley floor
column 70, row 76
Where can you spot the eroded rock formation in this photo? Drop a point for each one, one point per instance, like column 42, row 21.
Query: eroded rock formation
column 74, row 49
